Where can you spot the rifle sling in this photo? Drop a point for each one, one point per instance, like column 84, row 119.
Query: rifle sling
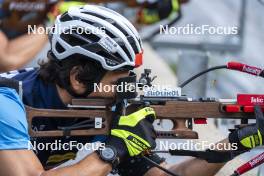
column 211, row 156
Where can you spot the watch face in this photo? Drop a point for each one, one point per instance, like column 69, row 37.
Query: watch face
column 108, row 153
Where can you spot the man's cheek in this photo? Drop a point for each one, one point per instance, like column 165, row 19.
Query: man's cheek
column 109, row 89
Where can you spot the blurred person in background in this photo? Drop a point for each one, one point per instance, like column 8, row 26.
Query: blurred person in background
column 19, row 47
column 153, row 11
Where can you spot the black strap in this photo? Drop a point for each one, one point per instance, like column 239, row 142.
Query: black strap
column 211, row 156
column 6, row 82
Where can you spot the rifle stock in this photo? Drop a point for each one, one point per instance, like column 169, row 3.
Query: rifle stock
column 176, row 111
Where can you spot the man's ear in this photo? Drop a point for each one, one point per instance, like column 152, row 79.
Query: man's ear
column 76, row 85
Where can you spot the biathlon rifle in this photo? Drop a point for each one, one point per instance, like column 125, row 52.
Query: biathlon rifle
column 97, row 114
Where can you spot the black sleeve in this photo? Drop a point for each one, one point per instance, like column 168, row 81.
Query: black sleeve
column 138, row 164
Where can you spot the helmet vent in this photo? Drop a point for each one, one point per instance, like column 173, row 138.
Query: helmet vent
column 109, row 34
column 111, row 21
column 86, row 21
column 127, row 52
column 59, row 48
column 117, row 26
column 65, row 17
column 94, row 14
column 114, row 58
column 72, row 40
column 133, row 44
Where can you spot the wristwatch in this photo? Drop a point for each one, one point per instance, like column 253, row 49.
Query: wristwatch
column 109, row 154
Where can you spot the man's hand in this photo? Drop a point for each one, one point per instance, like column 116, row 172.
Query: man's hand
column 133, row 134
column 250, row 136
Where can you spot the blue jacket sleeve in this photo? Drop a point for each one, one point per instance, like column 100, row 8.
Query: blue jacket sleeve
column 13, row 123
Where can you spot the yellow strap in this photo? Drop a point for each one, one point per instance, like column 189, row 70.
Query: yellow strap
column 246, row 142
column 252, row 141
column 260, row 138
column 133, row 119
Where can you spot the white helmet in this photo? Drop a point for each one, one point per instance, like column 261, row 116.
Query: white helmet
column 97, row 33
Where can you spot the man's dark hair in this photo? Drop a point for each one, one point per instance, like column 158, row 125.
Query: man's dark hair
column 58, row 72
